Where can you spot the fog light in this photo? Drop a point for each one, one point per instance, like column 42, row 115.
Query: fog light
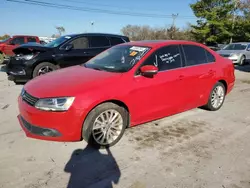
column 50, row 132
column 21, row 72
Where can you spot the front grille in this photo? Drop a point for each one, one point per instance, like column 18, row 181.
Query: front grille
column 29, row 98
column 225, row 55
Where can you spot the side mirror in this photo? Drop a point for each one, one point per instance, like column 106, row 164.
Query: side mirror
column 69, row 47
column 248, row 49
column 148, row 70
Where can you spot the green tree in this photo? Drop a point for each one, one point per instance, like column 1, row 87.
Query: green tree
column 215, row 18
column 4, row 37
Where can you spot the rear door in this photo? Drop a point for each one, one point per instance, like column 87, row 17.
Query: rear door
column 98, row 44
column 80, row 53
column 116, row 40
column 199, row 74
column 13, row 43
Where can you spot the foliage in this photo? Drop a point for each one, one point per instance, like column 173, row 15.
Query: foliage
column 60, row 30
column 4, row 37
column 220, row 20
column 136, row 32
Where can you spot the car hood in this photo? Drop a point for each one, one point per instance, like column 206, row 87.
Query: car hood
column 69, row 82
column 228, row 52
column 30, row 48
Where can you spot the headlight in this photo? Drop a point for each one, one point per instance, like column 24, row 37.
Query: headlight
column 234, row 55
column 28, row 57
column 55, row 104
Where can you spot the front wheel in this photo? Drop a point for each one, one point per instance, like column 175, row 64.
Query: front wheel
column 44, row 68
column 1, row 58
column 217, row 97
column 242, row 60
column 105, row 125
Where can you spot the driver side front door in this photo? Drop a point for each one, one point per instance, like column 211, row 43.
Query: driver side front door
column 163, row 94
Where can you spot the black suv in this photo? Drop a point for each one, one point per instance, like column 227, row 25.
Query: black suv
column 33, row 59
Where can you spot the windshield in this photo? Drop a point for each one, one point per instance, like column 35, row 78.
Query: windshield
column 4, row 40
column 58, row 41
column 117, row 59
column 235, row 47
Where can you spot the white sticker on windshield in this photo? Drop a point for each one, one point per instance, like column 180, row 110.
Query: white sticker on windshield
column 139, row 49
column 67, row 37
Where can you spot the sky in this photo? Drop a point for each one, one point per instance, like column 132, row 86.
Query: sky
column 19, row 18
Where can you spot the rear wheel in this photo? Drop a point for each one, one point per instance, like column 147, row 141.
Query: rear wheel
column 44, row 68
column 217, row 97
column 105, row 125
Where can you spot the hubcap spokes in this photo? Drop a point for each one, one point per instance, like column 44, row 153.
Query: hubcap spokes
column 217, row 96
column 44, row 70
column 107, row 127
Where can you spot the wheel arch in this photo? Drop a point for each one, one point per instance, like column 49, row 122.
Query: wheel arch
column 114, row 101
column 224, row 83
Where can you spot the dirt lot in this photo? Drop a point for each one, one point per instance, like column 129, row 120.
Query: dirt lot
column 194, row 149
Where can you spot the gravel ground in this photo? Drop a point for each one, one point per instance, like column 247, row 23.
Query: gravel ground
column 194, row 149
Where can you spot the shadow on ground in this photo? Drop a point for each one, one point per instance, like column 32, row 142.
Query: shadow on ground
column 245, row 68
column 90, row 168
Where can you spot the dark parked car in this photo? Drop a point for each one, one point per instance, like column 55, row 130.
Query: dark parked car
column 32, row 60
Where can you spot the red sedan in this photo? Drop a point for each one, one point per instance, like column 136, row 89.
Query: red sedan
column 124, row 86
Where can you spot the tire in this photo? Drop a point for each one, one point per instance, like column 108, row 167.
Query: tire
column 90, row 131
column 1, row 58
column 242, row 60
column 46, row 66
column 211, row 101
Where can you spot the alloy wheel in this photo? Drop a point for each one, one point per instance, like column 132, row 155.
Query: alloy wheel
column 218, row 95
column 107, row 127
column 44, row 70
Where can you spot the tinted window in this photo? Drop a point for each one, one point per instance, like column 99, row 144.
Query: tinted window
column 31, row 39
column 99, row 41
column 210, row 57
column 116, row 40
column 166, row 58
column 195, row 55
column 80, row 43
column 18, row 40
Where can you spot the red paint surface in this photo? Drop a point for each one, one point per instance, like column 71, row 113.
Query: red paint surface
column 147, row 99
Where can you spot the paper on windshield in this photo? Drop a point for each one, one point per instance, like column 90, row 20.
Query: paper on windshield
column 139, row 49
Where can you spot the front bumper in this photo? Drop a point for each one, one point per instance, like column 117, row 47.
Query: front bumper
column 234, row 60
column 18, row 71
column 55, row 126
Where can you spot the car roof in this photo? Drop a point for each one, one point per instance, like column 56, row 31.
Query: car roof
column 95, row 34
column 23, row 36
column 159, row 43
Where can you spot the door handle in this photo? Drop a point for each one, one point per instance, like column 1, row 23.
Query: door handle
column 210, row 72
column 181, row 77
column 86, row 52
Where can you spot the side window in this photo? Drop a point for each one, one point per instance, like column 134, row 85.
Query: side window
column 195, row 55
column 18, row 41
column 116, row 40
column 99, row 41
column 80, row 43
column 166, row 58
column 210, row 57
column 31, row 39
